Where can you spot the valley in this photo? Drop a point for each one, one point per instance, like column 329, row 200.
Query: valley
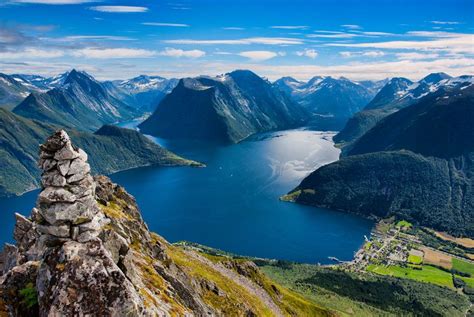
column 372, row 228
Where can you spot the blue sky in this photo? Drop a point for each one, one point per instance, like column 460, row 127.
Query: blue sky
column 177, row 38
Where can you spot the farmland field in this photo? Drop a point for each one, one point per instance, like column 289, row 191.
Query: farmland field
column 437, row 258
column 427, row 274
column 463, row 266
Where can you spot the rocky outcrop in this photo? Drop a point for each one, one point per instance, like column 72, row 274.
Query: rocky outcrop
column 86, row 251
column 58, row 248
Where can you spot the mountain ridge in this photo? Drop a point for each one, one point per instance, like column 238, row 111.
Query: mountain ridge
column 228, row 108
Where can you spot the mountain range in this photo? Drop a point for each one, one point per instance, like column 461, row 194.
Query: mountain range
column 147, row 91
column 331, row 101
column 76, row 99
column 416, row 163
column 398, row 93
column 226, row 108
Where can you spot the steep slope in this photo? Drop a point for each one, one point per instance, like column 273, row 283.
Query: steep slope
column 331, row 101
column 79, row 102
column 19, row 139
column 227, row 108
column 12, row 91
column 397, row 94
column 416, row 163
column 440, row 125
column 86, row 250
column 383, row 104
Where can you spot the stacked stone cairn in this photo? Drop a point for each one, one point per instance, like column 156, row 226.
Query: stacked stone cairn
column 66, row 207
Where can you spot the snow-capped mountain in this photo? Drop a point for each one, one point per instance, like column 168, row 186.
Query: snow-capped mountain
column 147, row 91
column 331, row 100
column 33, row 82
column 401, row 92
column 79, row 101
column 397, row 94
column 12, row 91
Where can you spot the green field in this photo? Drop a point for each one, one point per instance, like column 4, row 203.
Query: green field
column 403, row 224
column 463, row 266
column 427, row 274
column 415, row 259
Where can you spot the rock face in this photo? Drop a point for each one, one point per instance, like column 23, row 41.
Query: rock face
column 86, row 251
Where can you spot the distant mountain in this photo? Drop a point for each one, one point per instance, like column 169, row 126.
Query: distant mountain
column 417, row 163
column 397, row 94
column 12, row 91
column 227, row 108
column 35, row 82
column 79, row 101
column 331, row 100
column 374, row 86
column 148, row 91
column 115, row 148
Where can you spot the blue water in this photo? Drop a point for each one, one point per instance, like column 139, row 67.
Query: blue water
column 232, row 204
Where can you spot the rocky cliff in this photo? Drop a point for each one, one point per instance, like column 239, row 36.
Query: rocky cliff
column 85, row 251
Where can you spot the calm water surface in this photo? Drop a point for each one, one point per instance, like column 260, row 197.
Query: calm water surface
column 232, row 204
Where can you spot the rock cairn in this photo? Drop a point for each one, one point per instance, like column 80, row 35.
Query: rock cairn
column 66, row 207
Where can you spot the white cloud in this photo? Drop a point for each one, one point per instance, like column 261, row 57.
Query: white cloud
column 329, row 32
column 108, row 53
column 53, row 2
column 363, row 53
column 258, row 56
column 245, row 41
column 417, row 56
column 373, row 53
column 31, row 53
column 119, row 9
column 346, row 35
column 346, row 54
column 445, row 22
column 334, row 35
column 448, row 42
column 173, row 52
column 290, row 27
column 377, row 33
column 351, row 26
column 357, row 71
column 93, row 37
column 179, row 25
column 311, row 53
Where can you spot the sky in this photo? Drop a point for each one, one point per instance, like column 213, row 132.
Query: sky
column 120, row 39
